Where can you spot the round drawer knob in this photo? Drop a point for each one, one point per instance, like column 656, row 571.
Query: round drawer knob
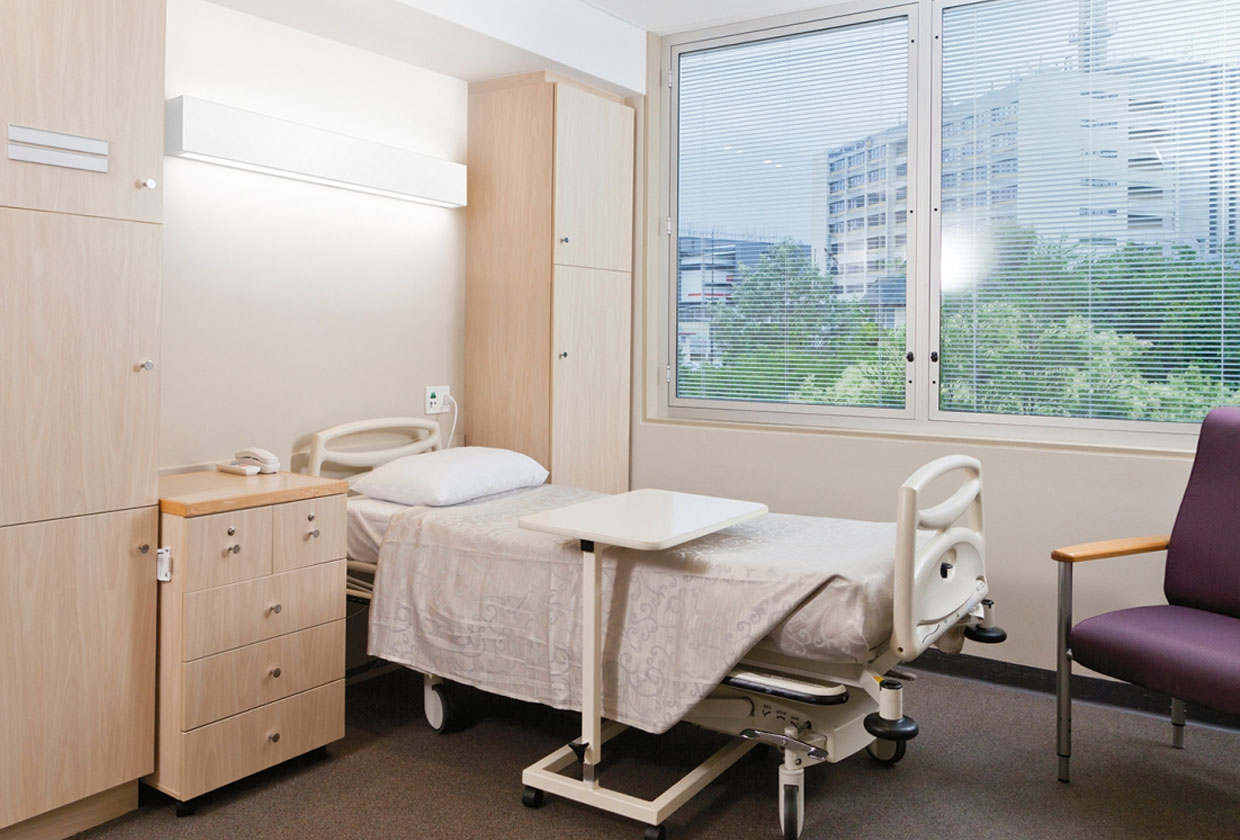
column 232, row 531
column 145, row 548
column 147, row 184
column 275, row 608
column 310, row 517
column 235, row 548
column 564, row 240
column 146, row 364
column 313, row 533
column 275, row 673
column 274, row 737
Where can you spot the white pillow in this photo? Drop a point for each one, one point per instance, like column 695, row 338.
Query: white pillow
column 450, row 476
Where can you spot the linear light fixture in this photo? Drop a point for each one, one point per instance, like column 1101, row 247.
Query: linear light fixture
column 214, row 133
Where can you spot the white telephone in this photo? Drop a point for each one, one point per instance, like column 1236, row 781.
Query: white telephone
column 251, row 462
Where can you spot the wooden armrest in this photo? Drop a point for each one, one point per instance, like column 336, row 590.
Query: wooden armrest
column 1110, row 548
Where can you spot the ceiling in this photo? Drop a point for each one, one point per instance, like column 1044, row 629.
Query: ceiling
column 666, row 17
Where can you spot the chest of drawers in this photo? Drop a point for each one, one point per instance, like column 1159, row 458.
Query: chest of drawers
column 251, row 625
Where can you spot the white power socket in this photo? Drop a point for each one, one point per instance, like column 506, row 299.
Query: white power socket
column 436, row 399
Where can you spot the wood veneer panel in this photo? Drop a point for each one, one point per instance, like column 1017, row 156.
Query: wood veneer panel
column 92, row 70
column 508, row 270
column 79, row 310
column 77, row 659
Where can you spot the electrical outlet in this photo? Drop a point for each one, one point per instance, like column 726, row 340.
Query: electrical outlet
column 436, row 399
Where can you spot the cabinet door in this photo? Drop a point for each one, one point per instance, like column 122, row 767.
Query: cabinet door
column 590, row 379
column 86, row 72
column 79, row 308
column 593, row 180
column 77, row 655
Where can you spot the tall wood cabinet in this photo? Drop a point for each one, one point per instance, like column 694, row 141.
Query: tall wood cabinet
column 81, row 102
column 549, row 276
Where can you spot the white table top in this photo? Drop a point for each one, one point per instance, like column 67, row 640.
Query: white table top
column 645, row 519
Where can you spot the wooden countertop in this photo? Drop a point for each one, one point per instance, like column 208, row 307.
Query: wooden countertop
column 211, row 491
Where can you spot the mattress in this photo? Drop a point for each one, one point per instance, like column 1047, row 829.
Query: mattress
column 367, row 523
column 465, row 593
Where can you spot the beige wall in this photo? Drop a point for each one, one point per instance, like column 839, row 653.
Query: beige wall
column 288, row 307
column 1036, row 497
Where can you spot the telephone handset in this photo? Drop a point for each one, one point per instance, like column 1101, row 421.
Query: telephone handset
column 251, row 461
column 261, row 458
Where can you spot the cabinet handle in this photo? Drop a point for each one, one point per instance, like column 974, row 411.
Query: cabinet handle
column 564, row 240
column 275, row 673
column 144, row 548
column 146, row 364
column 232, row 531
column 310, row 517
column 564, row 355
column 275, row 608
column 147, row 184
column 313, row 533
column 274, row 737
column 235, row 548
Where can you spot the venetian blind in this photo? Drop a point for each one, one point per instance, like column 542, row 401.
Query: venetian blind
column 791, row 204
column 1090, row 200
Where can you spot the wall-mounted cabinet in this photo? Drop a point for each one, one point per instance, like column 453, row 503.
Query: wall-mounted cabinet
column 82, row 106
column 548, row 277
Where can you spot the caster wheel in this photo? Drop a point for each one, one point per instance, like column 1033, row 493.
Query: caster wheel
column 186, row 809
column 654, row 832
column 532, row 797
column 437, row 708
column 790, row 812
column 887, row 752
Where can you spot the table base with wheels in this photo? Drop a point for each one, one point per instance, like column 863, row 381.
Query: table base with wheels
column 545, row 776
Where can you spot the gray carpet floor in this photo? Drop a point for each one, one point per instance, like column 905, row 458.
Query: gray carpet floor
column 982, row 767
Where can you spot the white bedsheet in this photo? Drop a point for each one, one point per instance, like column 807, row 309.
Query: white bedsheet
column 368, row 521
column 465, row 593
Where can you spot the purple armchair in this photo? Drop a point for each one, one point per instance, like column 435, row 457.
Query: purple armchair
column 1188, row 648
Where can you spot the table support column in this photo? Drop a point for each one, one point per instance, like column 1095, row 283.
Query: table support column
column 591, row 659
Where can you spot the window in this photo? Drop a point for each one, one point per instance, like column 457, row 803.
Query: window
column 1138, row 318
column 1076, row 218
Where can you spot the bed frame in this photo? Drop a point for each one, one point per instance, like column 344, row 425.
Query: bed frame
column 814, row 712
column 420, row 436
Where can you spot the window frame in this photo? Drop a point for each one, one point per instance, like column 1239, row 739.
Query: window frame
column 674, row 46
column 921, row 417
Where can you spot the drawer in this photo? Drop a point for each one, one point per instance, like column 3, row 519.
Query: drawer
column 227, row 683
column 308, row 533
column 226, row 548
column 240, row 614
column 222, row 752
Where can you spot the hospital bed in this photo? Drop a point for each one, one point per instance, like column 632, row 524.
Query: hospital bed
column 816, row 690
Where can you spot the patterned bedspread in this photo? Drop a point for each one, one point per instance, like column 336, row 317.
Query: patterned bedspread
column 465, row 593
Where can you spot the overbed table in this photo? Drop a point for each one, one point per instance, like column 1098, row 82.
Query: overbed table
column 648, row 520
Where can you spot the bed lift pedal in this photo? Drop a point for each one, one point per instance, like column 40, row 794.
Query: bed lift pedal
column 787, row 688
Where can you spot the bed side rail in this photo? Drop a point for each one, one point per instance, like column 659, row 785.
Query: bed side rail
column 424, row 434
column 943, row 579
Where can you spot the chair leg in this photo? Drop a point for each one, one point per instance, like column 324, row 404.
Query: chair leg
column 1177, row 723
column 1063, row 672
